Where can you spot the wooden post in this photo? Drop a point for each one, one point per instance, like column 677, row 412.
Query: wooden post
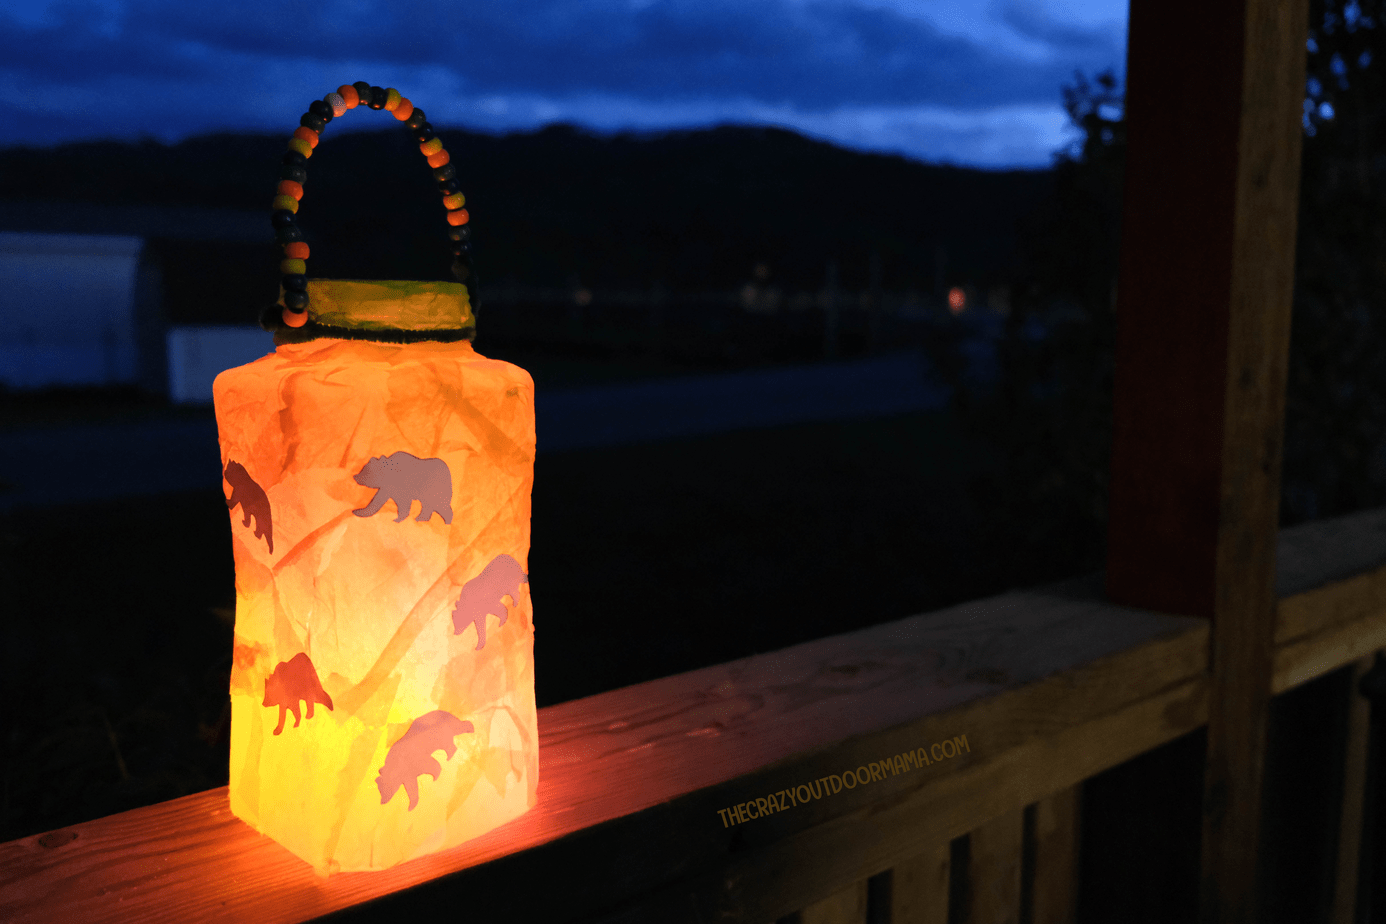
column 655, row 332
column 875, row 314
column 1203, row 317
column 830, row 312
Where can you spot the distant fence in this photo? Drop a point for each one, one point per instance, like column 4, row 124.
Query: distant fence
column 712, row 330
column 750, row 326
column 757, row 325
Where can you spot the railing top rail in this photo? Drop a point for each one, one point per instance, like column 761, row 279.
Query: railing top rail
column 1313, row 554
column 696, row 742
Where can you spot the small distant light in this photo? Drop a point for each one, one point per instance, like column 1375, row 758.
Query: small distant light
column 957, row 299
column 583, row 297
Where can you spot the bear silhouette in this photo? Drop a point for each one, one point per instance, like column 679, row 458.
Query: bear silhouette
column 412, row 755
column 252, row 498
column 401, row 477
column 481, row 596
column 291, row 681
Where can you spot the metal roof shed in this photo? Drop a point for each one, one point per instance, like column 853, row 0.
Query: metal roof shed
column 77, row 310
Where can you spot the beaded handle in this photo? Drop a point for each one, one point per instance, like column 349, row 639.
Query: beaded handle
column 294, row 311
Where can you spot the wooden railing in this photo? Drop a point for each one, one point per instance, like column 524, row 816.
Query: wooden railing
column 1001, row 704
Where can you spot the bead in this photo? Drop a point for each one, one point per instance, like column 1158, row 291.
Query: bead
column 288, row 234
column 293, row 267
column 461, row 248
column 459, row 234
column 294, row 158
column 439, row 159
column 416, row 118
column 290, row 188
column 348, row 94
column 378, row 97
column 432, row 146
column 448, row 187
column 285, row 202
column 392, row 99
column 296, row 251
column 306, row 134
column 363, row 92
column 445, row 172
column 294, row 282
column 455, row 201
column 424, row 133
column 316, row 123
column 339, row 106
column 458, row 217
column 295, row 318
column 322, row 109
column 297, row 174
column 282, row 218
column 302, row 147
column 461, row 270
column 295, row 299
column 404, row 109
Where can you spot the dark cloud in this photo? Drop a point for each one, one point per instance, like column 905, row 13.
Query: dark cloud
column 813, row 56
column 865, row 76
column 1065, row 39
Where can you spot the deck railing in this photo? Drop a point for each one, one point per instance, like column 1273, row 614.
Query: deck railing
column 724, row 794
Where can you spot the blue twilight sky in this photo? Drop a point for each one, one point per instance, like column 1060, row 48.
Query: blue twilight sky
column 973, row 82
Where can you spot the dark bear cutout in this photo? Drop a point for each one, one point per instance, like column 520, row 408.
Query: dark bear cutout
column 294, row 680
column 481, row 596
column 253, row 501
column 412, row 755
column 401, row 477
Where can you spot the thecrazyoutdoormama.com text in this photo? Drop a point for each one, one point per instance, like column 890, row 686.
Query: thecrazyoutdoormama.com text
column 831, row 785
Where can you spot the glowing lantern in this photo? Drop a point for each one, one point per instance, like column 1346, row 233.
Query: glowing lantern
column 401, row 646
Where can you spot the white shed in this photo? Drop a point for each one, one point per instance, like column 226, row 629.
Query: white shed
column 198, row 353
column 75, row 310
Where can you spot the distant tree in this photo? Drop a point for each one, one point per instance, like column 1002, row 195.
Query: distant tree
column 1052, row 417
column 1336, row 401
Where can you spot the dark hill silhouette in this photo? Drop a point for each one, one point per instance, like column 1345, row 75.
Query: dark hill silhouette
column 692, row 210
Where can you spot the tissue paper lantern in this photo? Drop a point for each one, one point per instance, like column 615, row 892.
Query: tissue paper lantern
column 378, row 474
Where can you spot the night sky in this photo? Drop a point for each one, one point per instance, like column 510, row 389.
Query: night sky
column 974, row 82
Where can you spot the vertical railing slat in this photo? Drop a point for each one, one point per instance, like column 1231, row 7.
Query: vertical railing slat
column 919, row 888
column 993, row 870
column 845, row 907
column 1354, row 783
column 1055, row 894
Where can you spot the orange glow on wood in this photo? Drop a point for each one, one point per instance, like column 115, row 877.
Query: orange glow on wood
column 380, row 498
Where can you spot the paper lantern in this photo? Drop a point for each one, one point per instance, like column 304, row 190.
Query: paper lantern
column 379, row 474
